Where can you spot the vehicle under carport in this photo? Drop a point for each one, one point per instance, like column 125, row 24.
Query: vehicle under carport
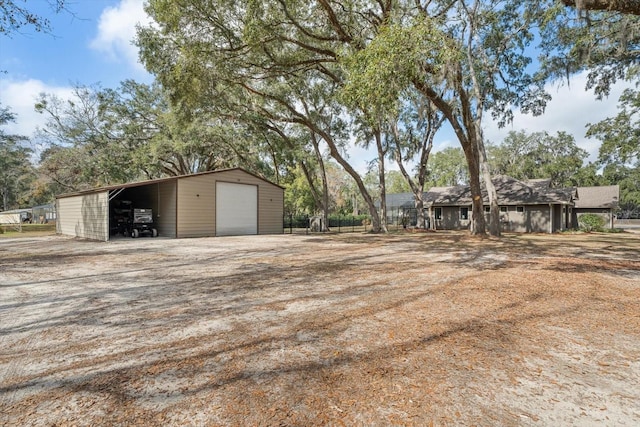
column 215, row 203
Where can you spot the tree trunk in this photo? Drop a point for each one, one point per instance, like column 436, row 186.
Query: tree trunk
column 382, row 152
column 468, row 143
column 478, row 225
column 419, row 204
column 325, row 185
column 494, row 219
column 335, row 153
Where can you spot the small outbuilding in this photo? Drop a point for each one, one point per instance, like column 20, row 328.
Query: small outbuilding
column 602, row 201
column 217, row 203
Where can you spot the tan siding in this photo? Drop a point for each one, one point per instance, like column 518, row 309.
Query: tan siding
column 166, row 212
column 196, row 206
column 270, row 209
column 270, row 200
column 84, row 216
column 197, row 215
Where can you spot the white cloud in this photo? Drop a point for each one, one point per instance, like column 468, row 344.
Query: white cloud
column 117, row 30
column 570, row 110
column 20, row 97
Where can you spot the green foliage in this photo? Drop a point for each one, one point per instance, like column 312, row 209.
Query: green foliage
column 620, row 134
column 378, row 75
column 605, row 43
column 590, row 222
column 628, row 178
column 538, row 155
column 16, row 171
column 298, row 199
column 448, row 167
column 396, row 183
column 109, row 136
column 619, row 153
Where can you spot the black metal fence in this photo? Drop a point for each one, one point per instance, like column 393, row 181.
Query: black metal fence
column 336, row 223
column 397, row 218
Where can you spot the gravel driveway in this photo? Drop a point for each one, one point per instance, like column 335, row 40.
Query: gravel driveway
column 352, row 329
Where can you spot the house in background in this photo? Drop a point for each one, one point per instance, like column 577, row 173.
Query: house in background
column 525, row 206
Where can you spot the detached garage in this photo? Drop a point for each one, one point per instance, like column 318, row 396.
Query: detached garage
column 227, row 202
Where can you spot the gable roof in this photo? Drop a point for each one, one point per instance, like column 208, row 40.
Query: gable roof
column 158, row 180
column 606, row 197
column 510, row 192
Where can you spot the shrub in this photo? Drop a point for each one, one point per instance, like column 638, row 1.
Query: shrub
column 591, row 222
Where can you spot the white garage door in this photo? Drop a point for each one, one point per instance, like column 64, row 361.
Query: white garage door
column 236, row 209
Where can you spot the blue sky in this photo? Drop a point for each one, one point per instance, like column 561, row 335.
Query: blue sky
column 92, row 44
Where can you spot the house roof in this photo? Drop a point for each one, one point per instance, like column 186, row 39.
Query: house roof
column 510, row 192
column 606, row 196
column 154, row 181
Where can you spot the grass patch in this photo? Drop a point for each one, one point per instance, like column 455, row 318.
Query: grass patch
column 28, row 230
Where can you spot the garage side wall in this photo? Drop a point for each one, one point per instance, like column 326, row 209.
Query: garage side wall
column 85, row 216
column 166, row 212
column 196, row 210
column 196, row 198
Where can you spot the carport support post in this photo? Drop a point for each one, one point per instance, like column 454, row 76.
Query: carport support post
column 550, row 218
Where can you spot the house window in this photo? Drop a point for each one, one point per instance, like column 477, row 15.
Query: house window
column 464, row 213
column 504, row 209
column 438, row 213
column 487, row 209
column 520, row 209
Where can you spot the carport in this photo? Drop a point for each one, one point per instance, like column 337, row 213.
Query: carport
column 217, row 203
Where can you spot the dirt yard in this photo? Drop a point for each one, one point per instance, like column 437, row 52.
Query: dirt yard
column 352, row 329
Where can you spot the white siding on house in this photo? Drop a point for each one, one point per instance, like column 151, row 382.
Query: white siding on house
column 85, row 216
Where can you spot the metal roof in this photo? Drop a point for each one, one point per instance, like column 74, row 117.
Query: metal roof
column 155, row 181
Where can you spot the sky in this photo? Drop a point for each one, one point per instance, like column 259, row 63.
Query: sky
column 91, row 44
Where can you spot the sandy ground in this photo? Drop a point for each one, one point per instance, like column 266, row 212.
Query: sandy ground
column 352, row 329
